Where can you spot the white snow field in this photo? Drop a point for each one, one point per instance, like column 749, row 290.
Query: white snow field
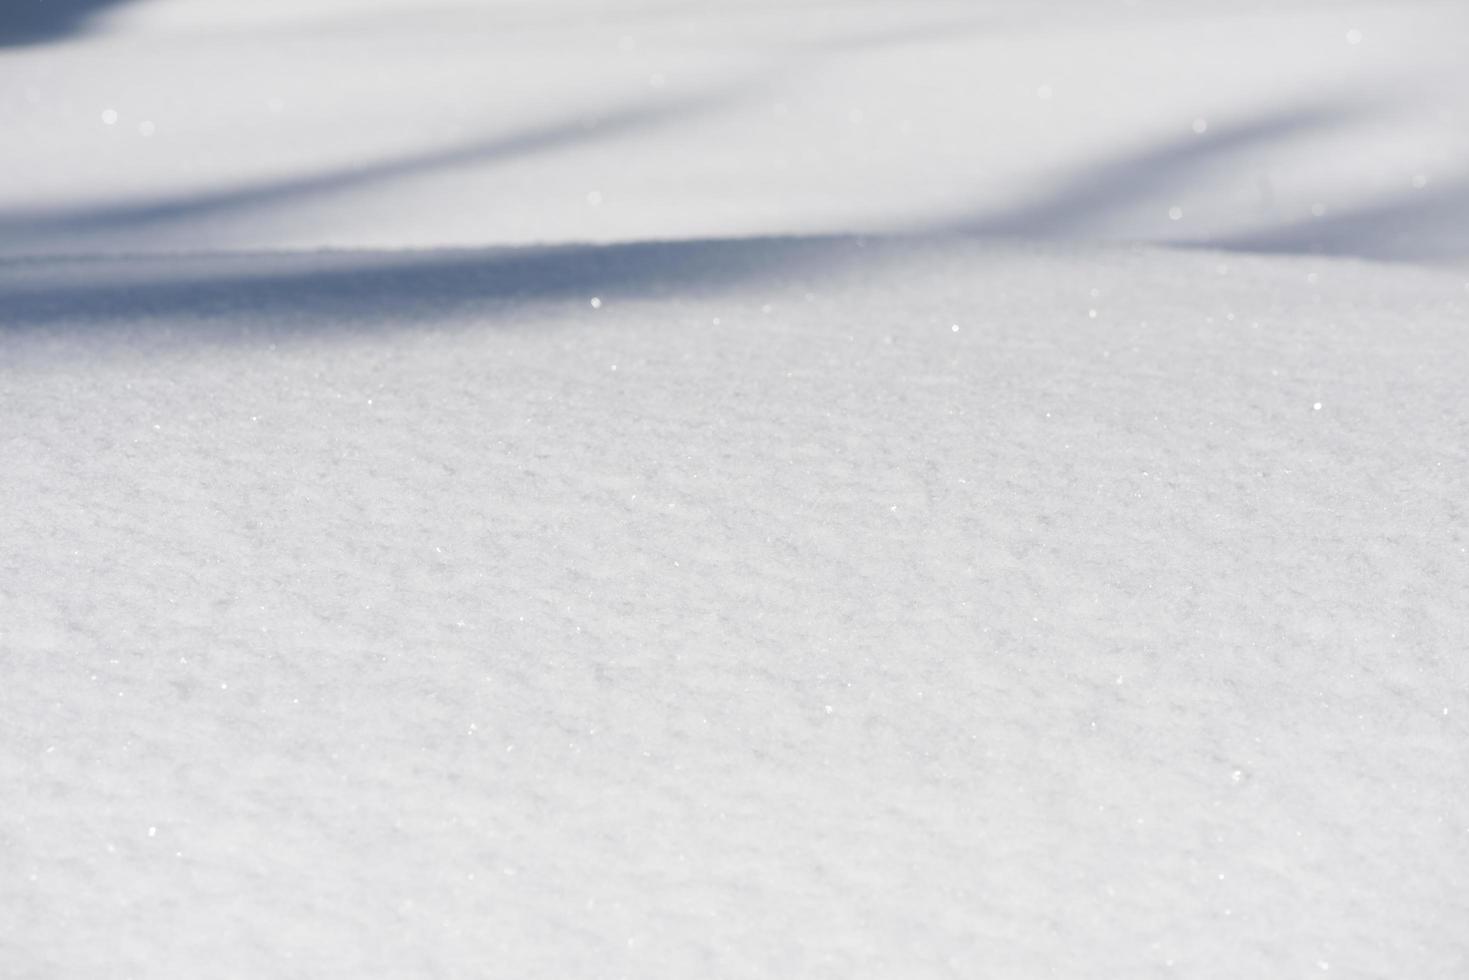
column 677, row 489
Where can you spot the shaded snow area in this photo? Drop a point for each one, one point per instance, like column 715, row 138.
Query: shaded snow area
column 838, row 489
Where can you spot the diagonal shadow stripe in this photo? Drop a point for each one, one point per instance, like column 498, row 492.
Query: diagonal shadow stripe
column 294, row 190
column 1425, row 225
column 1100, row 188
column 319, row 290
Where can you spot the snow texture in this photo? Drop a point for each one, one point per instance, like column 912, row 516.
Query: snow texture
column 606, row 489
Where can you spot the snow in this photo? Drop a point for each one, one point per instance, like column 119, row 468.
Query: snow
column 467, row 508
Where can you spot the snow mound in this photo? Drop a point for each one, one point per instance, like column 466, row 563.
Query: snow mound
column 829, row 606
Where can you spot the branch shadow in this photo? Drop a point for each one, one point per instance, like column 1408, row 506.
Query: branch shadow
column 338, row 290
column 256, row 196
column 1427, row 225
column 290, row 292
column 354, row 290
column 42, row 224
column 1092, row 192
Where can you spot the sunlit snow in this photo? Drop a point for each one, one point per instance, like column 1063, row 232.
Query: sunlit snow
column 578, row 488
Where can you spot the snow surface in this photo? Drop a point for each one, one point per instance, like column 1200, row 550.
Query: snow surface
column 616, row 489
